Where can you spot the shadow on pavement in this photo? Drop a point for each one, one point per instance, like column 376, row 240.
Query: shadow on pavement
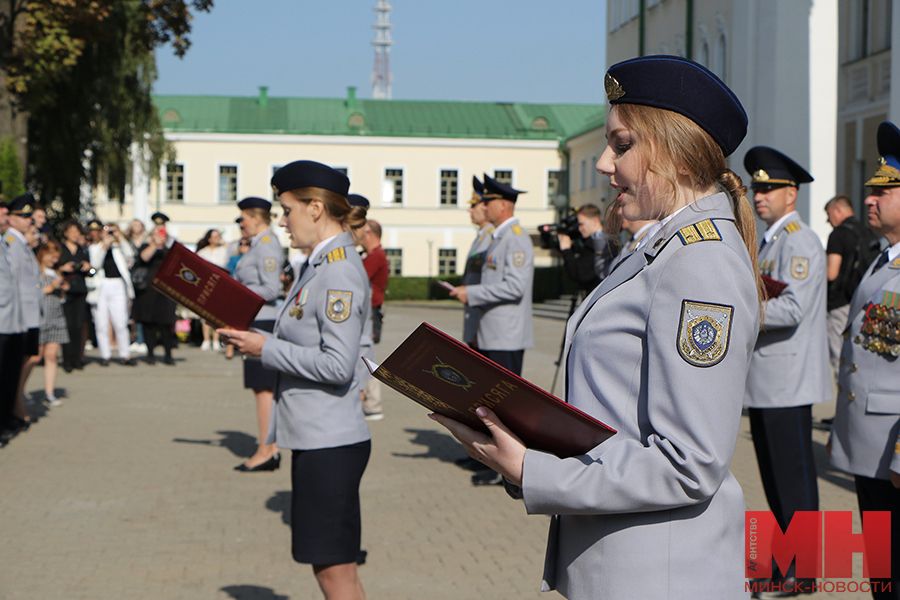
column 252, row 592
column 240, row 444
column 438, row 445
column 280, row 502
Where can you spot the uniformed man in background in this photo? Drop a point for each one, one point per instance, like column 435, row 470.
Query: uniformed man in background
column 12, row 333
column 475, row 259
column 789, row 370
column 505, row 329
column 864, row 439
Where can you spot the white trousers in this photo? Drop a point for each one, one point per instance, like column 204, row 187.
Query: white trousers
column 112, row 305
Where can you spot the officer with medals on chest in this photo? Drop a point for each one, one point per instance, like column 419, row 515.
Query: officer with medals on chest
column 314, row 350
column 260, row 270
column 507, row 275
column 475, row 260
column 864, row 438
column 12, row 333
column 789, row 371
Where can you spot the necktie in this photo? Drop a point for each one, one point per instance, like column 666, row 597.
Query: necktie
column 882, row 260
column 762, row 245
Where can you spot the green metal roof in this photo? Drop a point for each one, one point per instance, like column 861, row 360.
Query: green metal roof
column 342, row 116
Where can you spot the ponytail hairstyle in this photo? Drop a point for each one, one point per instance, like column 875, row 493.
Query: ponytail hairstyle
column 336, row 206
column 669, row 141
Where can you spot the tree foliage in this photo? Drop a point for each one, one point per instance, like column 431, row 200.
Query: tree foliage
column 10, row 170
column 84, row 70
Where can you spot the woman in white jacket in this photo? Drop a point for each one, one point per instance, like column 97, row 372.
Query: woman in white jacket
column 110, row 292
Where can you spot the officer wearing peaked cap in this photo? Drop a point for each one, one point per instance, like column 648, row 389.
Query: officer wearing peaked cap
column 789, row 371
column 12, row 331
column 260, row 270
column 31, row 295
column 314, row 350
column 507, row 274
column 475, row 259
column 864, row 438
column 654, row 351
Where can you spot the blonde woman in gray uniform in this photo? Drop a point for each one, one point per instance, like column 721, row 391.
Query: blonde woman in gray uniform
column 260, row 270
column 314, row 350
column 660, row 352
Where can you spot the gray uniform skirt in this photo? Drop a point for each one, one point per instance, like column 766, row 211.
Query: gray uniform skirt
column 255, row 375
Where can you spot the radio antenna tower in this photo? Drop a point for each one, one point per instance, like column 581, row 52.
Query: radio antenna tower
column 383, row 42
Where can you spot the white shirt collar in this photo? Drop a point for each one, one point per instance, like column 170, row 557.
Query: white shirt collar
column 770, row 232
column 640, row 234
column 319, row 247
column 653, row 228
column 893, row 252
column 504, row 226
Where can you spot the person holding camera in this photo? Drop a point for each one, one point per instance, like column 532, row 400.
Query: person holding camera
column 111, row 290
column 154, row 311
column 588, row 267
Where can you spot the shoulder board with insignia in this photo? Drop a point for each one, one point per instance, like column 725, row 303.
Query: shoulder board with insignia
column 10, row 239
column 792, row 227
column 337, row 254
column 704, row 231
column 265, row 239
column 517, row 230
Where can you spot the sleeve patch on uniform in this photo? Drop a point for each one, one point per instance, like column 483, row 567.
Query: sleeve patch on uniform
column 337, row 254
column 704, row 231
column 793, row 227
column 799, row 267
column 517, row 230
column 518, row 258
column 338, row 305
column 270, row 264
column 704, row 332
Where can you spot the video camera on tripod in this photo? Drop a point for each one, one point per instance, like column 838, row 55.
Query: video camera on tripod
column 568, row 225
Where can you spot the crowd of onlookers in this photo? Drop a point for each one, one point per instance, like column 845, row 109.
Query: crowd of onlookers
column 85, row 286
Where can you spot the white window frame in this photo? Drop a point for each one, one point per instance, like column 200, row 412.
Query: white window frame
column 237, row 187
column 383, row 177
column 459, row 179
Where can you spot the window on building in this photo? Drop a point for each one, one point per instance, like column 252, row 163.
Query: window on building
column 870, row 28
column 395, row 260
column 503, row 177
column 447, row 261
column 722, row 58
column 274, row 193
column 555, row 181
column 593, row 172
column 174, row 183
column 449, row 187
column 228, row 184
column 342, row 170
column 392, row 190
column 583, row 174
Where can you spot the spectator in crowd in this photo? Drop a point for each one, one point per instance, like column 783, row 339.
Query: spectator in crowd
column 54, row 329
column 850, row 249
column 240, row 250
column 12, row 332
column 110, row 291
column 212, row 248
column 591, row 265
column 136, row 234
column 75, row 265
column 154, row 311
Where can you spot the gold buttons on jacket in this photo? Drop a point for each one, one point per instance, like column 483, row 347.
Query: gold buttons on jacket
column 853, row 368
column 840, row 390
column 842, row 362
column 851, row 396
column 846, row 335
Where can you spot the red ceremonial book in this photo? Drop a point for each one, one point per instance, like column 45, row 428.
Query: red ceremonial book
column 206, row 289
column 447, row 377
column 773, row 287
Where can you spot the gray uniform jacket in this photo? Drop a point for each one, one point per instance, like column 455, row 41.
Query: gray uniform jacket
column 655, row 351
column 10, row 305
column 317, row 402
column 260, row 270
column 31, row 294
column 867, row 417
column 790, row 364
column 504, row 294
column 472, row 276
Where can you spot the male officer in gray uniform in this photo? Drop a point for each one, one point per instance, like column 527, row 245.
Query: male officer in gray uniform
column 507, row 275
column 12, row 332
column 504, row 294
column 789, row 371
column 475, row 260
column 864, row 438
column 29, row 273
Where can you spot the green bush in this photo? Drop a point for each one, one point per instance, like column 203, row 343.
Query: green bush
column 549, row 282
column 10, row 169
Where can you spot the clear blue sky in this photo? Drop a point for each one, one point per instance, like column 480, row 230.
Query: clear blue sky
column 487, row 50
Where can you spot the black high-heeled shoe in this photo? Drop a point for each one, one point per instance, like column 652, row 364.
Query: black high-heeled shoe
column 270, row 465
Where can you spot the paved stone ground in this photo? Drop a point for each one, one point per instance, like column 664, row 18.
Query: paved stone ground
column 127, row 491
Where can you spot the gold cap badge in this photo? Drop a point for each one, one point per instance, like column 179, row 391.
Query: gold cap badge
column 760, row 175
column 614, row 91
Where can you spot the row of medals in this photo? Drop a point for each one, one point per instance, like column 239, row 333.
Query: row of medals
column 296, row 311
column 881, row 330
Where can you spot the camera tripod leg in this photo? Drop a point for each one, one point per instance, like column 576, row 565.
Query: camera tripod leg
column 576, row 298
